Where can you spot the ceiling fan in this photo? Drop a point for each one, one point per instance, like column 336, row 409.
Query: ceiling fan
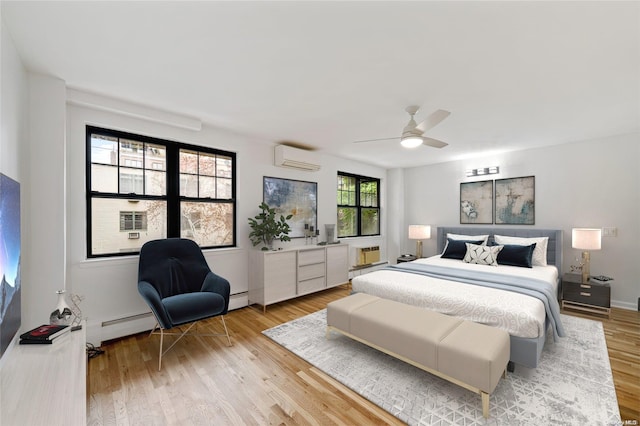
column 412, row 132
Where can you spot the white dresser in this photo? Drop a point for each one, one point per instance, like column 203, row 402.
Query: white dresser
column 275, row 276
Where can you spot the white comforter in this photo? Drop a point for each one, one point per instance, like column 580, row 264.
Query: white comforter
column 518, row 314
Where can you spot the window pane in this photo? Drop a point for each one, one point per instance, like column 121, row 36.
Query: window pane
column 131, row 153
column 188, row 185
column 131, row 181
column 207, row 164
column 224, row 189
column 188, row 162
column 156, row 182
column 155, row 157
column 143, row 221
column 104, row 178
column 370, row 222
column 346, row 190
column 369, row 194
column 347, row 222
column 224, row 166
column 207, row 187
column 208, row 224
column 104, row 150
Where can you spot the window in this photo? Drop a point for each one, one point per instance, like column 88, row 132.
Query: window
column 157, row 189
column 358, row 205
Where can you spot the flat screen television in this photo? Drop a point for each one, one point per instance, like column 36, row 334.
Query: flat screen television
column 10, row 287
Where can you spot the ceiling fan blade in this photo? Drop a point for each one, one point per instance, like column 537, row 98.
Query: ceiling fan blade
column 375, row 140
column 433, row 120
column 433, row 142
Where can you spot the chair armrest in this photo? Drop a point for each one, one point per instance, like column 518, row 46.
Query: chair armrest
column 151, row 296
column 216, row 284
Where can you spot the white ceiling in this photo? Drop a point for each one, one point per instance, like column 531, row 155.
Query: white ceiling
column 514, row 75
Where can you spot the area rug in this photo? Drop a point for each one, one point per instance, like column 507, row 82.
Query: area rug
column 572, row 385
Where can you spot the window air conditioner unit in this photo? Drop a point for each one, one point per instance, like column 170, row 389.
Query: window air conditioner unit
column 295, row 158
column 367, row 255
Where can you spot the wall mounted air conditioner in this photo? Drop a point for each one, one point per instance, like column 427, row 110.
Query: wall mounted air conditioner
column 367, row 255
column 295, row 158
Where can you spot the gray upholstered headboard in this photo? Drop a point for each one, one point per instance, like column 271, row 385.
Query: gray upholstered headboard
column 554, row 248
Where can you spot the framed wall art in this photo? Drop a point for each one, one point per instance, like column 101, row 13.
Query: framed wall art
column 515, row 201
column 293, row 197
column 476, row 202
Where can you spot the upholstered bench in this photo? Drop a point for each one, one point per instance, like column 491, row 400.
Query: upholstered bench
column 471, row 355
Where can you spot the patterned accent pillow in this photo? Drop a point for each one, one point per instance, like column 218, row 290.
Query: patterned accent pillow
column 482, row 255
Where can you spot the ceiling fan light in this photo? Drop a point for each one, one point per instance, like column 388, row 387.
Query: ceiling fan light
column 411, row 142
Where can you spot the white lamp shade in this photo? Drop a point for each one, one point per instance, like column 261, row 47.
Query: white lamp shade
column 586, row 238
column 419, row 232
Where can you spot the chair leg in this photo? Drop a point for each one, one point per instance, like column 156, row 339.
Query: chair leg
column 224, row 324
column 180, row 336
column 160, row 354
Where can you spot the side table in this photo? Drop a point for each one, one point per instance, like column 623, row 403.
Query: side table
column 592, row 296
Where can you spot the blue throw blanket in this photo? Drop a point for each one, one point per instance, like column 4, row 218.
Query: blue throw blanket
column 531, row 287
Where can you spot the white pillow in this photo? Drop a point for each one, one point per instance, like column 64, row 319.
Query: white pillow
column 465, row 238
column 482, row 255
column 539, row 257
column 469, row 237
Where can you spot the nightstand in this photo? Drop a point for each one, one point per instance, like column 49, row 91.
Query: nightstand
column 592, row 296
column 405, row 258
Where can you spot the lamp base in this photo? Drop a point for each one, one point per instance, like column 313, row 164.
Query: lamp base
column 418, row 249
column 586, row 258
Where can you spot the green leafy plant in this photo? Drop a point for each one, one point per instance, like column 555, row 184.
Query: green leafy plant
column 266, row 227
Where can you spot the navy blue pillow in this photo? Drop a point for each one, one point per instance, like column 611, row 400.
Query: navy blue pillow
column 456, row 249
column 514, row 255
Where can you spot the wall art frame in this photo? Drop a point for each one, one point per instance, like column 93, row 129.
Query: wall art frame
column 293, row 197
column 476, row 202
column 515, row 201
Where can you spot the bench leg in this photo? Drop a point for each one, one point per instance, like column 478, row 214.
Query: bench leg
column 485, row 404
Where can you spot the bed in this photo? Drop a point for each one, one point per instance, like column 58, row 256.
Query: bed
column 522, row 301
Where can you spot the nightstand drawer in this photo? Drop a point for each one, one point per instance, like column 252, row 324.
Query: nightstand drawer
column 587, row 294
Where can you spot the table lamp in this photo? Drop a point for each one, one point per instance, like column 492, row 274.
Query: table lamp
column 586, row 239
column 419, row 233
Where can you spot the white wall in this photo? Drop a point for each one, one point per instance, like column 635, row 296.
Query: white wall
column 109, row 286
column 587, row 184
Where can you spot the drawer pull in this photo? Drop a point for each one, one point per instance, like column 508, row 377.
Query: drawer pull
column 582, row 293
column 585, row 286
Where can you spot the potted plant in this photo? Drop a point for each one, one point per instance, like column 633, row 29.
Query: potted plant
column 265, row 227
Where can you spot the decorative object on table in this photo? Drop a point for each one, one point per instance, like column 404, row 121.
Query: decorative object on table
column 405, row 258
column 330, row 232
column 476, row 202
column 515, row 201
column 586, row 239
column 45, row 334
column 77, row 313
column 419, row 233
column 266, row 227
column 310, row 234
column 62, row 314
column 293, row 197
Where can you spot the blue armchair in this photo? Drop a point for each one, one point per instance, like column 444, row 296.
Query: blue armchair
column 177, row 284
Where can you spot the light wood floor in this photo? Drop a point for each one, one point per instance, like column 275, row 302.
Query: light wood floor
column 258, row 382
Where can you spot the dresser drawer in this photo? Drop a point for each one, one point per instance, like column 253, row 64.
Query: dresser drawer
column 309, row 286
column 311, row 271
column 307, row 257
